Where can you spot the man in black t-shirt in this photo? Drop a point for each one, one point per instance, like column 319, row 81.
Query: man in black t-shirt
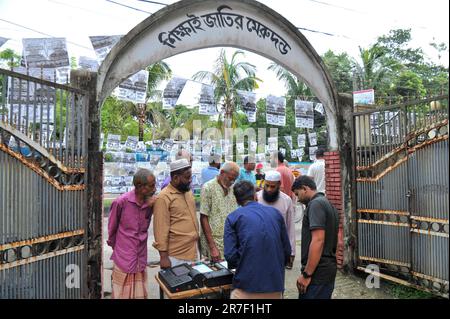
column 319, row 241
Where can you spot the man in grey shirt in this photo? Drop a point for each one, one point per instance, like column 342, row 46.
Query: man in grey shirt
column 319, row 241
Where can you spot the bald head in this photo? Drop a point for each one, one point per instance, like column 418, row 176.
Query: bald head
column 230, row 167
column 183, row 154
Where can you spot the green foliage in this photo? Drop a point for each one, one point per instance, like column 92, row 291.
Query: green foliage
column 108, row 157
column 340, row 67
column 228, row 77
column 10, row 58
column 73, row 63
column 404, row 292
column 409, row 84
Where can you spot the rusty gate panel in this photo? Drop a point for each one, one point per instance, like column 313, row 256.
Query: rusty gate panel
column 42, row 188
column 401, row 170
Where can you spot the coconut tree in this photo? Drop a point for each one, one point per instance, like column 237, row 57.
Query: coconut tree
column 296, row 89
column 158, row 72
column 229, row 76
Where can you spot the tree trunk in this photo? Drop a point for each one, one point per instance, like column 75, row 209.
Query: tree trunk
column 141, row 109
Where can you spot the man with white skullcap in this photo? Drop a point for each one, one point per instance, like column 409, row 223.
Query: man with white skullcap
column 180, row 155
column 175, row 223
column 271, row 195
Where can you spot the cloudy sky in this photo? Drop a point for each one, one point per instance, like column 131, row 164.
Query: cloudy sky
column 342, row 25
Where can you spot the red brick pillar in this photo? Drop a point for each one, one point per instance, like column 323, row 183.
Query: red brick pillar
column 333, row 189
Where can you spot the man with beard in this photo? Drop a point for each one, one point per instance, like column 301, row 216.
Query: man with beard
column 319, row 241
column 272, row 196
column 128, row 223
column 175, row 223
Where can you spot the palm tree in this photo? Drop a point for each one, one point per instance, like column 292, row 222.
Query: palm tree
column 373, row 68
column 10, row 58
column 158, row 72
column 228, row 77
column 296, row 89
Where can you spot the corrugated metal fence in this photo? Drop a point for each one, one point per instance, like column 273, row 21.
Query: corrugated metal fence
column 42, row 188
column 401, row 155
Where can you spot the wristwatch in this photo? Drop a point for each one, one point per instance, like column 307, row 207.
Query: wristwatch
column 306, row 275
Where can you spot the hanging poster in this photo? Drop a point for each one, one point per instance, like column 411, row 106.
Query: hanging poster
column 300, row 153
column 289, row 141
column 253, row 146
column 3, row 41
column 141, row 148
column 207, row 103
column 319, row 108
column 190, row 94
column 133, row 89
column 172, row 92
column 304, row 114
column 167, row 145
column 87, row 63
column 276, row 110
column 312, row 153
column 131, row 143
column 312, row 139
column 248, row 104
column 240, row 148
column 301, row 140
column 273, row 144
column 103, row 44
column 113, row 142
column 48, row 53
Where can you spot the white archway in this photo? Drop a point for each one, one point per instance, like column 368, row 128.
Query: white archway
column 196, row 24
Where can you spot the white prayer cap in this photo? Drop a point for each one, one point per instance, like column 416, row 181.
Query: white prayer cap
column 273, row 176
column 179, row 164
column 216, row 158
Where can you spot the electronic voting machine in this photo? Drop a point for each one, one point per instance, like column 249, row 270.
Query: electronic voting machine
column 192, row 276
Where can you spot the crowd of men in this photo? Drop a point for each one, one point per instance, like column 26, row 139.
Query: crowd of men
column 245, row 218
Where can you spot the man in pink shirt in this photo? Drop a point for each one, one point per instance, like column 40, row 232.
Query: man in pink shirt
column 129, row 220
column 287, row 178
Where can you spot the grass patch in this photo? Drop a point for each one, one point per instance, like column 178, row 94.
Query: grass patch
column 404, row 292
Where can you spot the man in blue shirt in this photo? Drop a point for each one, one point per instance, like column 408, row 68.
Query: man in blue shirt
column 257, row 245
column 208, row 173
column 247, row 173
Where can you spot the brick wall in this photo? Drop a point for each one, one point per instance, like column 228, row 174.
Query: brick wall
column 333, row 190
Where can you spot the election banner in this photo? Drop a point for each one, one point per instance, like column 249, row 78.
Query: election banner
column 103, row 44
column 47, row 53
column 276, row 110
column 248, row 104
column 87, row 63
column 207, row 103
column 301, row 140
column 304, row 114
column 172, row 92
column 134, row 89
column 312, row 139
column 289, row 141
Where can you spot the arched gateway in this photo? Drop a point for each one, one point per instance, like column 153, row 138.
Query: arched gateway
column 196, row 24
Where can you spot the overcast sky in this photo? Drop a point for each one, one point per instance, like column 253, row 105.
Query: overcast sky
column 351, row 23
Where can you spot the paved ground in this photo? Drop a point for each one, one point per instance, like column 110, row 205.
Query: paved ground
column 346, row 286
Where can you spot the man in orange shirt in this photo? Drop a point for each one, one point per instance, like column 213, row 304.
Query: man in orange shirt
column 287, row 178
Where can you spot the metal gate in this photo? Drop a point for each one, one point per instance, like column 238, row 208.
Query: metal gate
column 43, row 156
column 402, row 213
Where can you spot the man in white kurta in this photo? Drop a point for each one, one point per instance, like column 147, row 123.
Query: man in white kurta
column 317, row 171
column 272, row 196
